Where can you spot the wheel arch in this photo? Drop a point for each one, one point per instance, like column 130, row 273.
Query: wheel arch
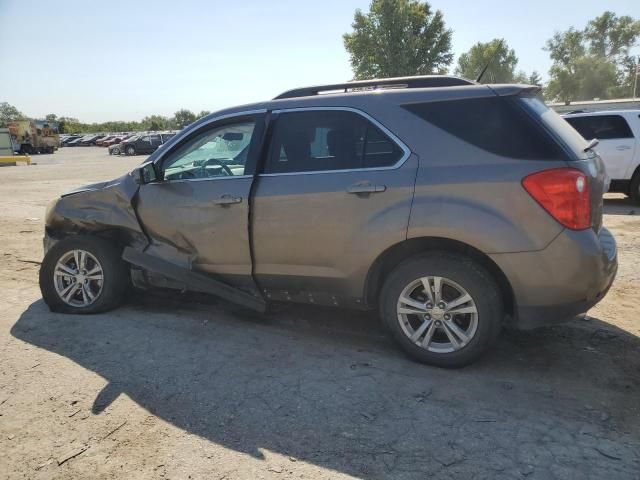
column 397, row 253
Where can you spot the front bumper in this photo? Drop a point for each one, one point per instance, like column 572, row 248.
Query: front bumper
column 562, row 281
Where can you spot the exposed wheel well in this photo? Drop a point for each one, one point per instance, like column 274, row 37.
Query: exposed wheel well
column 400, row 251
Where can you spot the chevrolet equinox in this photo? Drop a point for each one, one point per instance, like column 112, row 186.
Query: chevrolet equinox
column 453, row 208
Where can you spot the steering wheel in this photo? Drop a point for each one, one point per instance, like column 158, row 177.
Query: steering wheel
column 217, row 162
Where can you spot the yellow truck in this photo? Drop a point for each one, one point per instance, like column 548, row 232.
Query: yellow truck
column 34, row 136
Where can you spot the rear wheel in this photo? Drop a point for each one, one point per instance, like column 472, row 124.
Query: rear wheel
column 83, row 274
column 443, row 309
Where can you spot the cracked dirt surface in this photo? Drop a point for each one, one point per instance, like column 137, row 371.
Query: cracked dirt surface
column 187, row 387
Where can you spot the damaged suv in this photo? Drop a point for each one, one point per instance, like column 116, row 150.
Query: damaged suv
column 452, row 207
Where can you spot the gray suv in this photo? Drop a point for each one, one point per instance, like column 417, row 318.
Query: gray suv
column 451, row 207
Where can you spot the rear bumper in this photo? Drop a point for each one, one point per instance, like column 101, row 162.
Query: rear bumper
column 562, row 281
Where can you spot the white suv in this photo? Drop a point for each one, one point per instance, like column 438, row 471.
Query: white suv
column 618, row 132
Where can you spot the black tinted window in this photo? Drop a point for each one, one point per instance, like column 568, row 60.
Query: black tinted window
column 602, row 127
column 494, row 124
column 328, row 140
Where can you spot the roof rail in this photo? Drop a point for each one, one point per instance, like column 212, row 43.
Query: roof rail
column 423, row 81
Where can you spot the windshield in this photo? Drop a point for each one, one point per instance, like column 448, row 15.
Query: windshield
column 558, row 125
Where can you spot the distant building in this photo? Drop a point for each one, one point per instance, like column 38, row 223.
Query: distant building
column 594, row 105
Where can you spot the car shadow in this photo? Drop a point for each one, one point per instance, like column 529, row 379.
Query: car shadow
column 618, row 204
column 328, row 387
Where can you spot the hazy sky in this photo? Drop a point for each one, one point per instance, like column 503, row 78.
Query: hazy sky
column 120, row 60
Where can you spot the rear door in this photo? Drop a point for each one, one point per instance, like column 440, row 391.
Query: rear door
column 616, row 141
column 335, row 191
column 197, row 215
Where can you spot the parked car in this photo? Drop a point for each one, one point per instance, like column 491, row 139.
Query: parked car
column 618, row 134
column 90, row 140
column 451, row 210
column 145, row 144
column 100, row 141
column 113, row 140
column 76, row 141
column 116, row 149
column 68, row 139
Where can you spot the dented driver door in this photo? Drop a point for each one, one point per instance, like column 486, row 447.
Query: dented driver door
column 197, row 214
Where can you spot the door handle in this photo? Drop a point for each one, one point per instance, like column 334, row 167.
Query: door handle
column 227, row 199
column 623, row 147
column 366, row 188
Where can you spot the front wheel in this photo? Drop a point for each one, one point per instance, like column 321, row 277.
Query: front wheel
column 130, row 151
column 443, row 309
column 83, row 274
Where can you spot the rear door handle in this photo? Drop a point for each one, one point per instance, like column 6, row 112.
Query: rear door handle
column 366, row 188
column 227, row 199
column 623, row 147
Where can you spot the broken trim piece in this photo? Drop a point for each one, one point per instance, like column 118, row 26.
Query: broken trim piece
column 193, row 280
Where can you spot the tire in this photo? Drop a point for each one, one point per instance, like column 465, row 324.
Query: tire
column 634, row 188
column 108, row 292
column 116, row 151
column 130, row 151
column 458, row 275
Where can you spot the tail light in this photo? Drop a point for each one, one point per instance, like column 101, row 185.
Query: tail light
column 564, row 194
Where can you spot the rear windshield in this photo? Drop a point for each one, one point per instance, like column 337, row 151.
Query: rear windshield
column 554, row 122
column 602, row 127
column 495, row 124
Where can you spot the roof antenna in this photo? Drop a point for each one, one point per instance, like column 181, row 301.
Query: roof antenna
column 487, row 65
column 483, row 70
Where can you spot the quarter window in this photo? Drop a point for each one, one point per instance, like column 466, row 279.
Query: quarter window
column 218, row 152
column 494, row 124
column 322, row 140
column 602, row 127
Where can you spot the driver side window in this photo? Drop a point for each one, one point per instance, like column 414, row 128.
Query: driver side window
column 218, row 152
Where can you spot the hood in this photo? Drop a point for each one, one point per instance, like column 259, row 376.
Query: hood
column 103, row 206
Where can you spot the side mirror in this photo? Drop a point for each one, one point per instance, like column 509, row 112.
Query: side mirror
column 146, row 173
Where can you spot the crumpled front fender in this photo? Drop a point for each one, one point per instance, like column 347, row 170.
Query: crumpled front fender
column 98, row 207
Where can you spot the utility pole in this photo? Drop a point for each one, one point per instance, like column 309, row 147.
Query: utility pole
column 635, row 81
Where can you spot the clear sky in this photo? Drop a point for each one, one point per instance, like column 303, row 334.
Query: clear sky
column 123, row 60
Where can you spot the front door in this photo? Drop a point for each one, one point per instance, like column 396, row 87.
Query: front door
column 335, row 192
column 197, row 215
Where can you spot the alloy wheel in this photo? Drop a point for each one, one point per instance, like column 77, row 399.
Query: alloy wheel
column 78, row 278
column 437, row 314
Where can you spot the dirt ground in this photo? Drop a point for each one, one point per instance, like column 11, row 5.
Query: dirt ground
column 189, row 388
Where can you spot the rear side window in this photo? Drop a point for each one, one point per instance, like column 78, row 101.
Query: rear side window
column 494, row 124
column 322, row 140
column 602, row 127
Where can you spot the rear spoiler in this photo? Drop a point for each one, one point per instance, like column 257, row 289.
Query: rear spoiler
column 507, row 90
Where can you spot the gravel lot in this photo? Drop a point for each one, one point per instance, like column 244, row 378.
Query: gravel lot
column 171, row 387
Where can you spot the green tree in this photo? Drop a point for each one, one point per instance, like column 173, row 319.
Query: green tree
column 183, row 117
column 9, row 113
column 203, row 113
column 534, row 78
column 397, row 38
column 594, row 62
column 501, row 61
column 155, row 122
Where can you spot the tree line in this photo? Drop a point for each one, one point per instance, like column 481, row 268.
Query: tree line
column 407, row 37
column 180, row 119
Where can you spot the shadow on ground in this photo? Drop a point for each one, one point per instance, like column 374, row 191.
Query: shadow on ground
column 327, row 387
column 620, row 205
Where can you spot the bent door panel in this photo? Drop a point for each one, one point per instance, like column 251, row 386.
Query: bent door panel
column 198, row 215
